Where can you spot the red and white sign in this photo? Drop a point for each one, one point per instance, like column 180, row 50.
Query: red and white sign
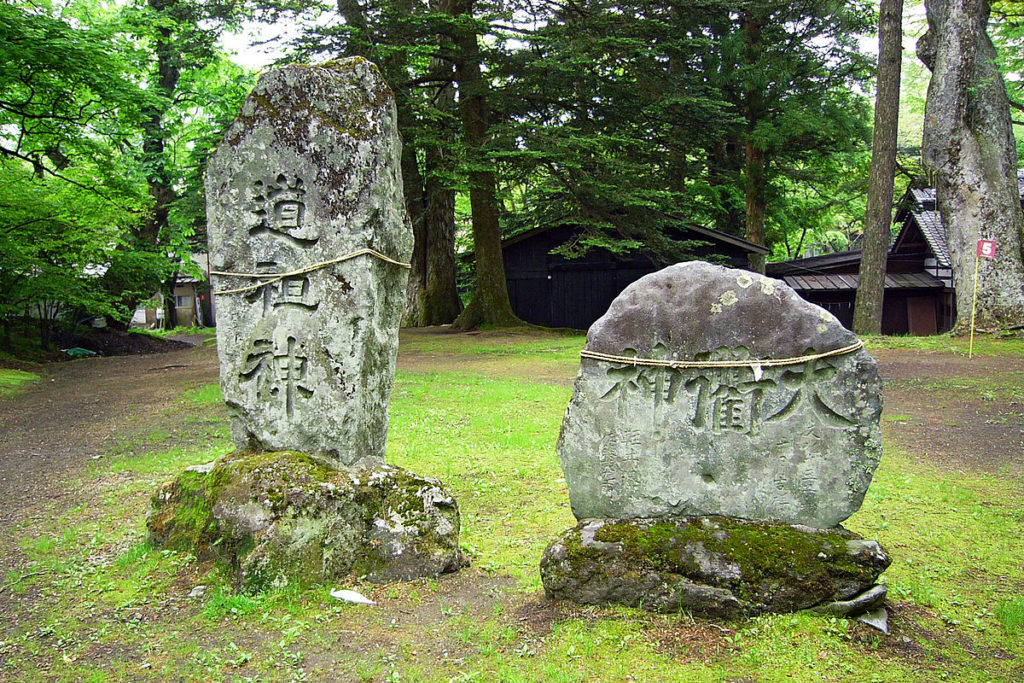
column 986, row 248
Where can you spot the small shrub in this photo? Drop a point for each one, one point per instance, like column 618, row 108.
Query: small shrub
column 223, row 604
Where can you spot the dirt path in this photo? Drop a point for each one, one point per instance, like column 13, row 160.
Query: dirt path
column 81, row 408
column 963, row 415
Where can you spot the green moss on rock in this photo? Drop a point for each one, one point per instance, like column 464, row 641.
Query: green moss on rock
column 291, row 517
column 718, row 566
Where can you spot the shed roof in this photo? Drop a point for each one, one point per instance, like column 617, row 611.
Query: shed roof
column 930, row 223
column 714, row 235
column 849, row 281
column 920, row 205
column 812, row 264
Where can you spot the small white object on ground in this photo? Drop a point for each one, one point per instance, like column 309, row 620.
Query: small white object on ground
column 352, row 596
column 878, row 619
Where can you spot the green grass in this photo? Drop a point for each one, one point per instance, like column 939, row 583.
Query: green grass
column 508, row 342
column 177, row 331
column 105, row 605
column 13, row 381
column 492, row 441
column 204, row 396
column 984, row 344
column 1010, row 614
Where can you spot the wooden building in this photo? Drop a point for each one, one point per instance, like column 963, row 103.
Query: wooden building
column 553, row 291
column 918, row 282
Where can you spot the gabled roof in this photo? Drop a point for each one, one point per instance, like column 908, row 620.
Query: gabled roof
column 849, row 281
column 919, row 205
column 930, row 225
column 712, row 234
column 720, row 236
column 812, row 264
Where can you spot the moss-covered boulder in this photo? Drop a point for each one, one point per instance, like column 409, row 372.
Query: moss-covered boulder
column 713, row 566
column 276, row 518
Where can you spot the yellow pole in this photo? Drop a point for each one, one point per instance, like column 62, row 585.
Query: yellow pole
column 974, row 306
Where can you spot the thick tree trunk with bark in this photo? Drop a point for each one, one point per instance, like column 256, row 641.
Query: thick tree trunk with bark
column 158, row 178
column 867, row 310
column 755, row 181
column 153, row 229
column 756, row 203
column 970, row 154
column 441, row 302
column 415, row 206
column 432, row 297
column 490, row 304
column 725, row 165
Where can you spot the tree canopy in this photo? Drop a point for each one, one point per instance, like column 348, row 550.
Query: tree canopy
column 89, row 135
column 623, row 120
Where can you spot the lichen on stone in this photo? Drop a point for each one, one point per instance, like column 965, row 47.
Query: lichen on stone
column 292, row 517
column 716, row 566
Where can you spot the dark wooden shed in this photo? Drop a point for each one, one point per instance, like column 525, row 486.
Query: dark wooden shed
column 918, row 282
column 553, row 291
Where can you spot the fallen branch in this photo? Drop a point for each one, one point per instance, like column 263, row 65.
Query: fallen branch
column 12, row 584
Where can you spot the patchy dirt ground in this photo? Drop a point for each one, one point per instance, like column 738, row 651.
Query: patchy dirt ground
column 959, row 414
column 79, row 409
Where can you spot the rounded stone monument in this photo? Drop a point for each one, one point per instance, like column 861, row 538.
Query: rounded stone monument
column 715, row 408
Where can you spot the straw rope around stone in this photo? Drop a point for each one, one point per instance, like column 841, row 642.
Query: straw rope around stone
column 748, row 363
column 277, row 277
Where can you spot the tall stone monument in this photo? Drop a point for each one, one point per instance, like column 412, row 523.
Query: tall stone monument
column 308, row 245
column 717, row 421
column 308, row 175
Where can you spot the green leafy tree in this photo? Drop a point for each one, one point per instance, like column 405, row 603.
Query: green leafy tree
column 411, row 43
column 106, row 134
column 68, row 179
column 735, row 114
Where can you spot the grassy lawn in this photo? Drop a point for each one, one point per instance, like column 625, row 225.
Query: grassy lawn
column 984, row 344
column 96, row 603
column 11, row 381
column 177, row 331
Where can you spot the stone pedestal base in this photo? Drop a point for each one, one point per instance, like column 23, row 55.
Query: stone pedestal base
column 717, row 567
column 277, row 518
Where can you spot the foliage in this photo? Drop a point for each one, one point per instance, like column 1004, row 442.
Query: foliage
column 630, row 120
column 1007, row 32
column 77, row 98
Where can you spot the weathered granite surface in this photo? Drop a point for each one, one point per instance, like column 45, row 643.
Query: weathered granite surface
column 278, row 518
column 308, row 172
column 711, row 566
column 796, row 444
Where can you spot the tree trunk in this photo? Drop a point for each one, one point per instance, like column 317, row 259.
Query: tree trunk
column 490, row 304
column 970, row 154
column 725, row 165
column 158, row 179
column 415, row 291
column 867, row 310
column 755, row 184
column 756, row 203
column 433, row 299
column 171, row 304
column 44, row 325
column 441, row 302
